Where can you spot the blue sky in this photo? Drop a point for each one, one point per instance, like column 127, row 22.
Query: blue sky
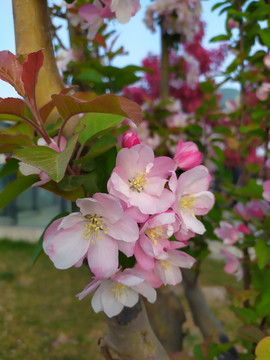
column 134, row 36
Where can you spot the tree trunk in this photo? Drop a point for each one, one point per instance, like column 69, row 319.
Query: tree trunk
column 203, row 317
column 167, row 317
column 131, row 337
column 32, row 33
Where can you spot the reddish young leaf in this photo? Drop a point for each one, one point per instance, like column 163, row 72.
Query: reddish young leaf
column 12, row 106
column 11, row 71
column 104, row 104
column 31, row 68
column 46, row 109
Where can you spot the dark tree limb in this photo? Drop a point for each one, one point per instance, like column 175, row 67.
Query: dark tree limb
column 167, row 317
column 131, row 337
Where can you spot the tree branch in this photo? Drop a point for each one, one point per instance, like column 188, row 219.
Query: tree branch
column 131, row 337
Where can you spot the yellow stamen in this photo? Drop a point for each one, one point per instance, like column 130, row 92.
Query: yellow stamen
column 187, row 202
column 165, row 264
column 138, row 182
column 93, row 227
column 119, row 290
column 155, row 234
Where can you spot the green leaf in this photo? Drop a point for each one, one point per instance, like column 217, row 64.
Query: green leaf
column 15, row 188
column 216, row 6
column 220, row 154
column 262, row 252
column 251, row 190
column 102, row 145
column 263, row 304
column 220, row 129
column 9, row 168
column 18, row 139
column 265, row 36
column 39, row 244
column 194, row 129
column 246, row 315
column 48, row 160
column 71, row 195
column 220, row 38
column 96, row 124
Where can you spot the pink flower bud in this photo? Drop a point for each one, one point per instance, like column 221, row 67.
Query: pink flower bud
column 266, row 61
column 263, row 91
column 187, row 155
column 244, row 229
column 130, row 138
column 232, row 24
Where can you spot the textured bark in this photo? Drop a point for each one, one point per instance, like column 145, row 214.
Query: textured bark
column 203, row 317
column 131, row 337
column 167, row 317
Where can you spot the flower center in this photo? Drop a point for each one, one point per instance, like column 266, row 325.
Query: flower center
column 154, row 234
column 93, row 227
column 187, row 202
column 119, row 290
column 165, row 264
column 138, row 182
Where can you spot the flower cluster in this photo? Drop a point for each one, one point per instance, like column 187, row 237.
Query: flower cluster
column 125, row 235
column 177, row 17
column 95, row 13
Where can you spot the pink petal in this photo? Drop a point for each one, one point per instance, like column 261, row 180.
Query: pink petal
column 204, row 201
column 147, row 291
column 89, row 206
column 67, row 246
column 145, row 261
column 88, row 289
column 192, row 223
column 163, row 167
column 103, row 256
column 112, row 209
column 194, row 180
column 126, row 229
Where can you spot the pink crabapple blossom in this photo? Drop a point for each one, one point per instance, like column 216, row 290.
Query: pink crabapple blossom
column 266, row 190
column 139, row 179
column 187, row 155
column 192, row 197
column 228, row 233
column 97, row 232
column 122, row 289
column 257, row 209
column 263, row 91
column 266, row 61
column 124, row 9
column 233, row 265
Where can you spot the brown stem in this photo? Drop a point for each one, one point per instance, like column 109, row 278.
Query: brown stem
column 247, row 276
column 131, row 337
column 164, row 81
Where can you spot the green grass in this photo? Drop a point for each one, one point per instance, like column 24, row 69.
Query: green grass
column 41, row 319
